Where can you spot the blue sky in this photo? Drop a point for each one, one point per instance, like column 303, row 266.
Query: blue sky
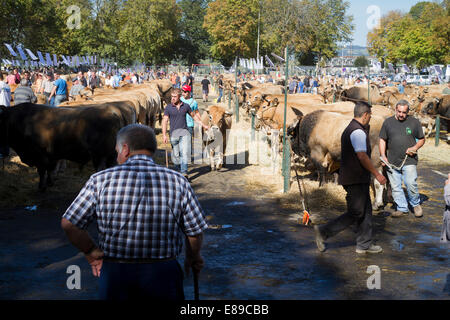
column 358, row 8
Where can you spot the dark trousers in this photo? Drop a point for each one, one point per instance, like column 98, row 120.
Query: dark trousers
column 359, row 212
column 157, row 281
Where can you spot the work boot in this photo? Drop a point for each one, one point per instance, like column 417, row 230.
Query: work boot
column 398, row 214
column 320, row 241
column 372, row 249
column 418, row 211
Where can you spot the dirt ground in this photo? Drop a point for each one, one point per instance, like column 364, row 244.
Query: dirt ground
column 255, row 247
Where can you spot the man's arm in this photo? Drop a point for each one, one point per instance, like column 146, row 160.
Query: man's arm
column 164, row 128
column 193, row 258
column 196, row 116
column 83, row 242
column 367, row 164
column 382, row 148
column 52, row 93
column 413, row 150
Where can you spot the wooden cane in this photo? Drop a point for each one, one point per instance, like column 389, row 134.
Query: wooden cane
column 196, row 293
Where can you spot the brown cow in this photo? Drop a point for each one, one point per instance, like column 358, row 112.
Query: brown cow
column 219, row 121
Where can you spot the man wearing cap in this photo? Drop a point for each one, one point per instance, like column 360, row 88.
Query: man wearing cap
column 186, row 98
column 180, row 137
column 76, row 88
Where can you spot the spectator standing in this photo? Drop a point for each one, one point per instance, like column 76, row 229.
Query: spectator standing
column 205, row 88
column 59, row 90
column 155, row 209
column 24, row 93
column 220, row 85
column 401, row 87
column 186, row 98
column 46, row 89
column 292, row 86
column 76, row 88
column 11, row 79
column 16, row 76
column 82, row 79
column 5, row 100
column 306, row 85
column 401, row 136
column 5, row 92
column 301, row 87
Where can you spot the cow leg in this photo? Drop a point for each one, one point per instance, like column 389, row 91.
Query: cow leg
column 378, row 190
column 211, row 159
column 219, row 164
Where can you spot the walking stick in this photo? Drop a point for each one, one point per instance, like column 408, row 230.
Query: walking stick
column 196, row 294
column 167, row 157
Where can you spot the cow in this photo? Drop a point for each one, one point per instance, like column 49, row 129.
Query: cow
column 215, row 138
column 313, row 138
column 42, row 135
column 360, row 93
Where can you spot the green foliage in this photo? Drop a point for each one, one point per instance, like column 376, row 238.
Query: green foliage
column 421, row 37
column 194, row 39
column 361, row 62
column 232, row 26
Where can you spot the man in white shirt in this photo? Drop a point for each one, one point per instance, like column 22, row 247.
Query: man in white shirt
column 5, row 92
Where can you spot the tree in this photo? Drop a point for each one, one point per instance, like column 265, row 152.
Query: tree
column 232, row 26
column 194, row 42
column 312, row 27
column 361, row 62
column 421, row 37
column 149, row 30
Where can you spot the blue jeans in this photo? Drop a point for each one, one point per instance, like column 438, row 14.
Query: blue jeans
column 181, row 152
column 59, row 98
column 220, row 95
column 407, row 175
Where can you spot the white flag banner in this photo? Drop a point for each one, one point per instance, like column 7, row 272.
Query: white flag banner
column 405, row 68
column 438, row 70
column 278, row 57
column 270, row 62
column 65, row 61
column 447, row 72
column 11, row 50
column 391, row 66
column 41, row 58
column 31, row 54
column 261, row 63
column 48, row 59
column 21, row 53
column 55, row 60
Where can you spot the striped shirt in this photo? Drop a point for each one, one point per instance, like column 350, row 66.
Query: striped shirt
column 139, row 207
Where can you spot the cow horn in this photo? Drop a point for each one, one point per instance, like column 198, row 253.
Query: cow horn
column 228, row 113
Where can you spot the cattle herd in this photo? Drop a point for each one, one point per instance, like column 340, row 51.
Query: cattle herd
column 315, row 122
column 85, row 129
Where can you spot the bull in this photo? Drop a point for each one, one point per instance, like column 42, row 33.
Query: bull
column 42, row 135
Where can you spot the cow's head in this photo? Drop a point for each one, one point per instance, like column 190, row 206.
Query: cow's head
column 219, row 121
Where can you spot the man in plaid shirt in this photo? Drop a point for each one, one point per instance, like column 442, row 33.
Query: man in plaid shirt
column 143, row 211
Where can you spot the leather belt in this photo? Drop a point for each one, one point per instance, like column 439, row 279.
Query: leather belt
column 144, row 260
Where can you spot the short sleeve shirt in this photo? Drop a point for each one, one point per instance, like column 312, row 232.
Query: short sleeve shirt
column 400, row 136
column 177, row 118
column 61, row 87
column 205, row 84
column 358, row 139
column 194, row 106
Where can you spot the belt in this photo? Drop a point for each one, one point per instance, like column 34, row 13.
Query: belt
column 145, row 260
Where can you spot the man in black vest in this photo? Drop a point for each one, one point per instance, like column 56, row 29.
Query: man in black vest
column 354, row 176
